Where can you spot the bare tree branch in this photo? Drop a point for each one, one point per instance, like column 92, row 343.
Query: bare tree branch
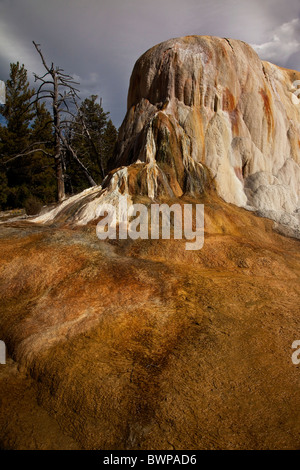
column 28, row 153
column 42, row 57
column 88, row 135
column 59, row 103
column 74, row 155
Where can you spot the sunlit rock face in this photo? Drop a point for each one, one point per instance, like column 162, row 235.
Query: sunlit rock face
column 204, row 114
column 202, row 103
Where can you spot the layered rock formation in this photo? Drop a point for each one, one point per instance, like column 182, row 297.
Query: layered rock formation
column 204, row 102
column 205, row 110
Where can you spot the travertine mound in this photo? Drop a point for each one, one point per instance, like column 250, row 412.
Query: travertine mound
column 205, row 114
column 197, row 103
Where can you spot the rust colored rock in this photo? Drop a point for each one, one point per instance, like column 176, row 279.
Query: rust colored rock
column 144, row 345
column 200, row 102
column 205, row 114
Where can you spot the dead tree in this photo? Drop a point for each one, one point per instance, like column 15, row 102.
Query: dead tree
column 59, row 88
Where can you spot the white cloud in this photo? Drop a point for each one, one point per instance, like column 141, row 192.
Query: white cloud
column 285, row 42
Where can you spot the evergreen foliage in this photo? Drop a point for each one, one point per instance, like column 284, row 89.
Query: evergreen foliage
column 27, row 146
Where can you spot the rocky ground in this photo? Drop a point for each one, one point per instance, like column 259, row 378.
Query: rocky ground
column 144, row 345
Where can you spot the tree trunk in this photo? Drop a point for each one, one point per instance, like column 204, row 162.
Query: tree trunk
column 58, row 150
column 60, row 179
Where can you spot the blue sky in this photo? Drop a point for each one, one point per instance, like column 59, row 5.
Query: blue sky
column 98, row 41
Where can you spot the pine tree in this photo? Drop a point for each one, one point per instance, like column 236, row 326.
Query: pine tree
column 17, row 112
column 24, row 173
column 109, row 140
column 4, row 190
column 15, row 136
column 3, row 179
column 93, row 136
column 41, row 171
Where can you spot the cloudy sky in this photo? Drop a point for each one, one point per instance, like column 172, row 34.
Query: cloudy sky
column 98, row 41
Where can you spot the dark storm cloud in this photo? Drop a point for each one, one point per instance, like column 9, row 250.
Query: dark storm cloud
column 99, row 40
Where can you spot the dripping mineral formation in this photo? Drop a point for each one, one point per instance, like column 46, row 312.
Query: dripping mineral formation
column 198, row 103
column 204, row 109
column 141, row 344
